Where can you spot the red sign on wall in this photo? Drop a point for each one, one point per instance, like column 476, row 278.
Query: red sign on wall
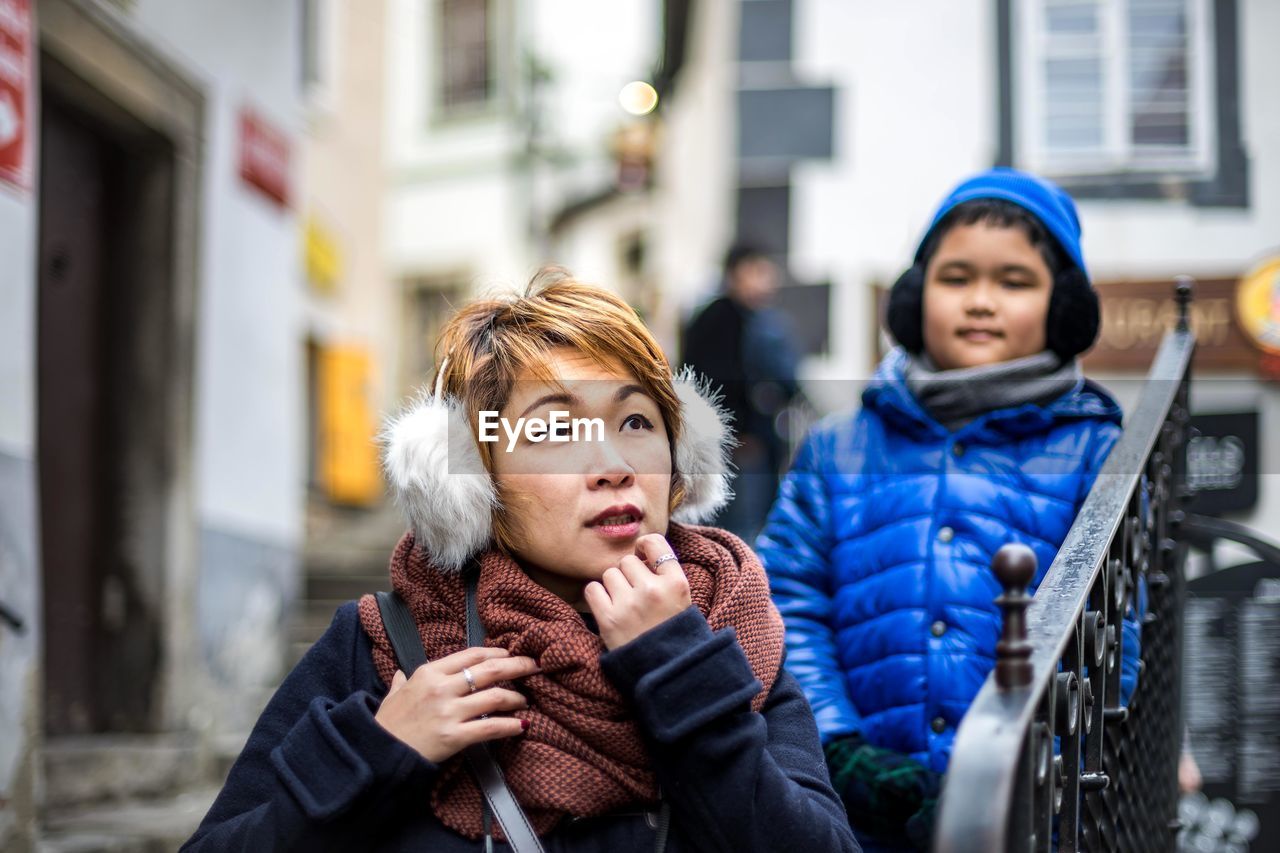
column 16, row 88
column 264, row 157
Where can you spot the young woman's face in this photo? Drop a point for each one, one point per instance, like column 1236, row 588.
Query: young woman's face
column 986, row 297
column 576, row 508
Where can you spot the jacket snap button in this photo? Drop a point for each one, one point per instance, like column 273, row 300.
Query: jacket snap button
column 957, row 449
column 945, row 534
column 938, row 628
column 939, row 725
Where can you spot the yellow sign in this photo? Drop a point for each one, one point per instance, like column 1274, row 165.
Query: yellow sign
column 1258, row 305
column 348, row 451
column 323, row 257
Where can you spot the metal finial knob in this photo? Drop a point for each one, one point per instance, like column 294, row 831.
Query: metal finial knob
column 1184, row 292
column 1014, row 567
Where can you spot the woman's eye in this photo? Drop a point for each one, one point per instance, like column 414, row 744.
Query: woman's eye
column 1016, row 284
column 954, row 280
column 640, row 421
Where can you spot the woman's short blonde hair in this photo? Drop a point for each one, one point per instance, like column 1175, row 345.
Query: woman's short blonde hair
column 489, row 342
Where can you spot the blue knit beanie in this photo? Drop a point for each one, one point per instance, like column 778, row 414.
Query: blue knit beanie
column 1074, row 316
column 1047, row 201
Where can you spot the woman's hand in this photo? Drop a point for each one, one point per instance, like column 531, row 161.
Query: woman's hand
column 439, row 712
column 632, row 598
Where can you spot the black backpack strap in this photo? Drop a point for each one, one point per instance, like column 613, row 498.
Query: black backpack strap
column 402, row 631
column 475, row 630
column 664, row 826
column 498, row 796
column 484, row 766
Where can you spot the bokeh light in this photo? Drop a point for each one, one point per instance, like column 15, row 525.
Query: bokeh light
column 638, row 98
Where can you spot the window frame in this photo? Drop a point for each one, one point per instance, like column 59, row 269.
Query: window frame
column 1118, row 151
column 442, row 111
column 1222, row 177
column 320, row 25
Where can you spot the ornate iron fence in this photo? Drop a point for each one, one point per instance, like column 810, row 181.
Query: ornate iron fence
column 1047, row 757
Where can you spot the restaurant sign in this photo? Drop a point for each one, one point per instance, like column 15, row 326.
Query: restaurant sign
column 1236, row 321
column 1258, row 312
column 1136, row 314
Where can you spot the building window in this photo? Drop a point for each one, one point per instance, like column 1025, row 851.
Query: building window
column 1109, row 85
column 466, row 54
column 1134, row 99
column 318, row 27
column 429, row 303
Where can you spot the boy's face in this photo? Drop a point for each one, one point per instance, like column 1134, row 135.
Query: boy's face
column 986, row 296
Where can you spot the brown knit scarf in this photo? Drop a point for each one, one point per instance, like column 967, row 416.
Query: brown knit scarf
column 582, row 754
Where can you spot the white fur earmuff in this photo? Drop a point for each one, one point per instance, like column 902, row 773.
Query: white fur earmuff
column 438, row 478
column 702, row 453
column 435, row 472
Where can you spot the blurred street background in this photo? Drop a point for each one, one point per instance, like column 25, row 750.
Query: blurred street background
column 230, row 230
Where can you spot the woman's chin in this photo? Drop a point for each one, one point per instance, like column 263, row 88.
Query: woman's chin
column 602, row 557
column 609, row 555
column 593, row 553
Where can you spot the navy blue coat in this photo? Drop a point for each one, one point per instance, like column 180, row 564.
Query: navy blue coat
column 879, row 550
column 320, row 773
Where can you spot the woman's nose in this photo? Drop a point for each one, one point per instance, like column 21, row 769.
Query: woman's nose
column 609, row 468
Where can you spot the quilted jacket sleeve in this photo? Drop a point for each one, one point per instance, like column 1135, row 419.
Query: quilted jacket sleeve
column 795, row 547
column 1107, row 436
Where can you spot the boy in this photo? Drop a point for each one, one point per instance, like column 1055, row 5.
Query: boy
column 979, row 430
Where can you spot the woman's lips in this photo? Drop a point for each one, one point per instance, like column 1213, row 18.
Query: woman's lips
column 618, row 522
column 979, row 335
column 624, row 530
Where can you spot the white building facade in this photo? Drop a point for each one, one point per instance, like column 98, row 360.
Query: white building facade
column 500, row 114
column 150, row 366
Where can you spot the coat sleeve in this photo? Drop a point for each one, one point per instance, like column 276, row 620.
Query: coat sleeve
column 318, row 771
column 737, row 781
column 1131, row 628
column 795, row 547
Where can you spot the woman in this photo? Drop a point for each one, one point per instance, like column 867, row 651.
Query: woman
column 631, row 666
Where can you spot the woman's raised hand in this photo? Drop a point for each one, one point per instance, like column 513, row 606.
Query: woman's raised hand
column 631, row 598
column 439, row 711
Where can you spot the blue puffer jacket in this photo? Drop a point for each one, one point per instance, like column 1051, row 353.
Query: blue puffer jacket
column 880, row 543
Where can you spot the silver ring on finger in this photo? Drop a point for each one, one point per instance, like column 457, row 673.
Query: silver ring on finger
column 471, row 680
column 664, row 559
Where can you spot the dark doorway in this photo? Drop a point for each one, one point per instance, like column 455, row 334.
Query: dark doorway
column 103, row 375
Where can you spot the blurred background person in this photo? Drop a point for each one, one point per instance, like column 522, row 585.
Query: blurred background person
column 742, row 347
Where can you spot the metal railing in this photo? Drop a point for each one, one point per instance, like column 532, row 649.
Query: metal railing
column 1046, row 757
